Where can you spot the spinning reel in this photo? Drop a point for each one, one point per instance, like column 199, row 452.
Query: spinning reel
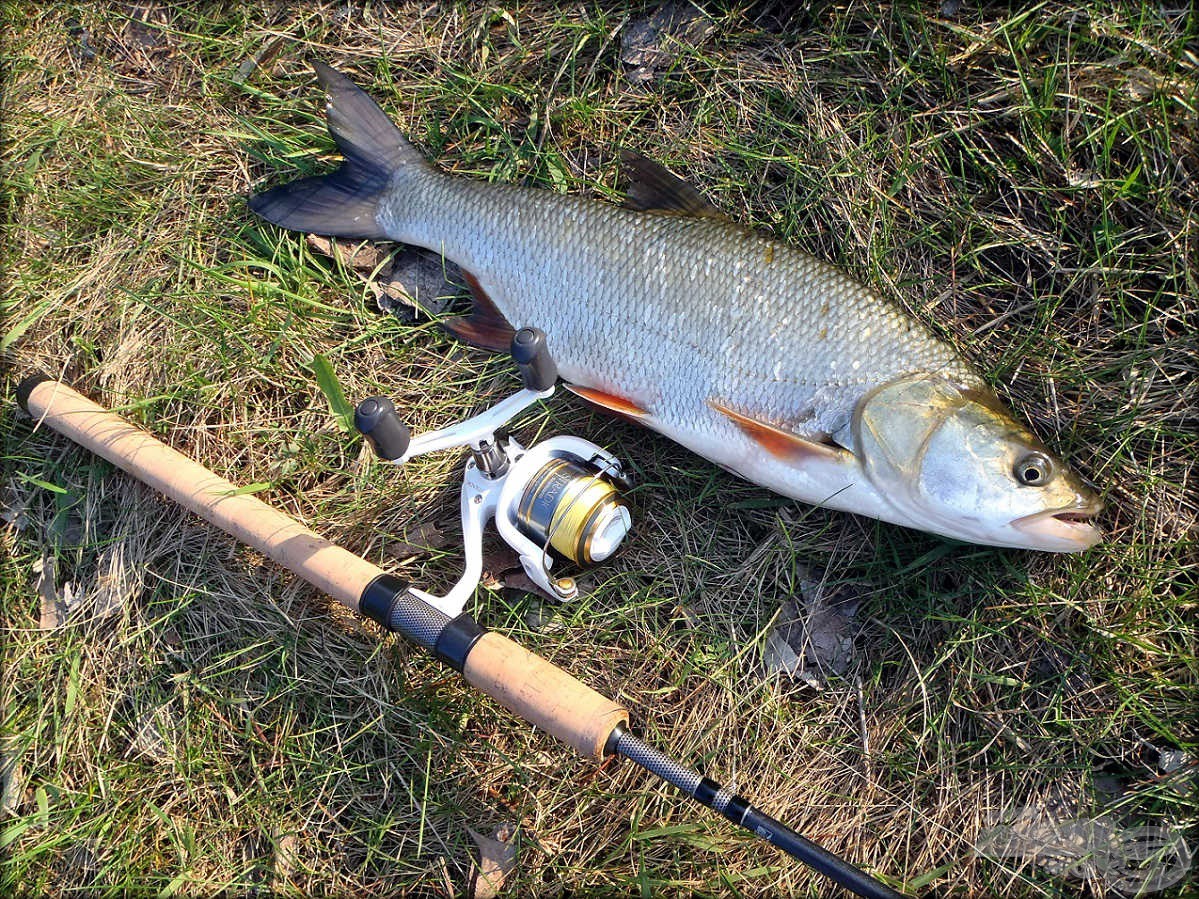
column 559, row 499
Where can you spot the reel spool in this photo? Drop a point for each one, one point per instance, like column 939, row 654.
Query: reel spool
column 575, row 509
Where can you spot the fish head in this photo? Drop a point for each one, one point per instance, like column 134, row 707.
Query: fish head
column 953, row 460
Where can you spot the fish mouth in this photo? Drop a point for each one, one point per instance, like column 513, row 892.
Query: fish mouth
column 1062, row 530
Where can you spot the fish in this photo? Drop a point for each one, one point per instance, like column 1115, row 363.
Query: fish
column 770, row 362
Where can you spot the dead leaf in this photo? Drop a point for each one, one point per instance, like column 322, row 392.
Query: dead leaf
column 285, row 857
column 1052, row 661
column 143, row 27
column 515, row 580
column 418, row 280
column 13, row 510
column 1170, row 760
column 687, row 616
column 423, row 538
column 12, row 779
column 813, row 637
column 502, row 571
column 498, row 558
column 405, row 280
column 81, row 45
column 497, row 859
column 652, row 43
column 170, row 636
column 361, row 256
column 80, row 863
column 119, row 583
column 148, row 738
column 542, row 616
column 54, row 610
column 268, row 52
column 443, row 868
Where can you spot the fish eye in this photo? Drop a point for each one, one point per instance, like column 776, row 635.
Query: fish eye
column 1033, row 470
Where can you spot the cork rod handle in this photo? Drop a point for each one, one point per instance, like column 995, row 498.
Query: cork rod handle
column 335, row 571
column 543, row 694
column 524, row 683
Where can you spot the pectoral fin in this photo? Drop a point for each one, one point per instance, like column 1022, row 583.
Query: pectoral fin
column 609, row 401
column 780, row 443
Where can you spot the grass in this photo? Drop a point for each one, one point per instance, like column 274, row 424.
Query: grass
column 1023, row 181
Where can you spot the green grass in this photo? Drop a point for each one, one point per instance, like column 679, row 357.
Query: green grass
column 1023, row 182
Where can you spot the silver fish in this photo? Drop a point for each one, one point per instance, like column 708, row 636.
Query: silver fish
column 753, row 354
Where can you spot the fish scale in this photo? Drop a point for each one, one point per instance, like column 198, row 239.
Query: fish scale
column 765, row 360
column 628, row 305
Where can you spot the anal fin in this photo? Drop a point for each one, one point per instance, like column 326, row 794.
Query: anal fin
column 485, row 326
column 780, row 443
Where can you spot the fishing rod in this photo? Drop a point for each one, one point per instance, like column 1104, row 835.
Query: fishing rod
column 540, row 491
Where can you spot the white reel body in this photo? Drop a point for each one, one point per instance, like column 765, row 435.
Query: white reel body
column 562, row 494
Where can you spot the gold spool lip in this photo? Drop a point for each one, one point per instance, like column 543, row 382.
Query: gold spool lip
column 562, row 505
column 569, row 526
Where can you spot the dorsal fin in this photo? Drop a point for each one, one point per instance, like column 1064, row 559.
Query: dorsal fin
column 486, row 326
column 653, row 189
column 779, row 443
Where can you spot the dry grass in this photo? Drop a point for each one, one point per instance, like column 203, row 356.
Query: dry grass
column 1026, row 182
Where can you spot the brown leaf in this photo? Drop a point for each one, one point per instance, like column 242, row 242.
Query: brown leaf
column 813, row 637
column 423, row 538
column 515, row 579
column 55, row 605
column 362, row 257
column 543, row 616
column 498, row 558
column 14, row 507
column 497, row 859
column 404, row 280
column 416, row 279
column 651, row 43
column 12, row 778
column 268, row 52
column 285, row 856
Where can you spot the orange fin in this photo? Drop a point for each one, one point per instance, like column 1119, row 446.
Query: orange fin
column 486, row 326
column 609, row 401
column 779, row 443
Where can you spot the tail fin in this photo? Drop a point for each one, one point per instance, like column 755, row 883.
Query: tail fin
column 343, row 204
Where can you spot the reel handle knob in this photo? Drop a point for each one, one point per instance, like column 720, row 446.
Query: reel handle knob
column 376, row 420
column 532, row 357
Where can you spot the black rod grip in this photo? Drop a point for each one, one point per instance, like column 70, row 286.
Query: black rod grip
column 25, row 388
column 387, row 601
column 532, row 356
column 376, row 420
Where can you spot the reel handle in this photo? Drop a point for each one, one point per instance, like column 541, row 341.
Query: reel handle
column 377, row 421
column 532, row 357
